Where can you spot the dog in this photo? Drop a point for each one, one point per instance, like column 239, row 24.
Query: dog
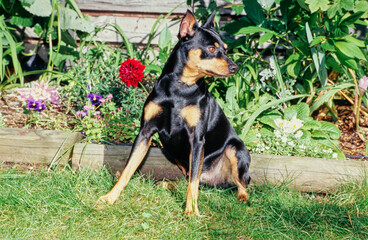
column 192, row 127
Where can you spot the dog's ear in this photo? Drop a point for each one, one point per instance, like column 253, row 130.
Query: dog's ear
column 210, row 22
column 188, row 26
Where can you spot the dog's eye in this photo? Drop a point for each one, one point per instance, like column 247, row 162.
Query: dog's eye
column 211, row 49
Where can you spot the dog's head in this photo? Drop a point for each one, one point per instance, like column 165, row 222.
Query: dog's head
column 206, row 52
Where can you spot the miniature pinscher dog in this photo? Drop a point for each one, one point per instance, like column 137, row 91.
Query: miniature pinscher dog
column 192, row 127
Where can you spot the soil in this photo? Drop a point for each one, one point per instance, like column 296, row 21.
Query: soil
column 351, row 142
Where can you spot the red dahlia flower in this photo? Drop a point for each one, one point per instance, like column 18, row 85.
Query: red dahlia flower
column 131, row 72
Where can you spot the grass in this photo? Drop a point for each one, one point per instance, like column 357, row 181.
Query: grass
column 61, row 205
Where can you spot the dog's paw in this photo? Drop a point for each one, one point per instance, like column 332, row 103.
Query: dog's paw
column 102, row 201
column 108, row 199
column 243, row 197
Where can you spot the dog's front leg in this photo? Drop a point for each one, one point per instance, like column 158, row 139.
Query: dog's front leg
column 139, row 151
column 195, row 170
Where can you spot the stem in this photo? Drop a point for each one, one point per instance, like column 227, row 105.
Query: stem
column 144, row 88
column 357, row 116
column 356, row 98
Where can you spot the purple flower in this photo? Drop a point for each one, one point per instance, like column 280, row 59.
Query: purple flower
column 95, row 98
column 36, row 105
column 363, row 84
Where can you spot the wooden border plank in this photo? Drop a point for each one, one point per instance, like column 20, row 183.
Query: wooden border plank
column 301, row 173
column 36, row 146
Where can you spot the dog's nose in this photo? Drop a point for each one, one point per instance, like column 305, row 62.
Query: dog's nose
column 233, row 68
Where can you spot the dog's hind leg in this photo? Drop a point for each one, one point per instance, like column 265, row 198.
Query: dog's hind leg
column 239, row 161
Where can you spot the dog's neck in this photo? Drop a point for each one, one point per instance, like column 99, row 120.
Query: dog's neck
column 177, row 65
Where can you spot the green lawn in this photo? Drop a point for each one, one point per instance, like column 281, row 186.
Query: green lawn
column 61, row 205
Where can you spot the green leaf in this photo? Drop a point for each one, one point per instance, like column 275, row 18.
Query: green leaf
column 254, row 11
column 315, row 5
column 265, row 37
column 69, row 19
column 269, row 119
column 301, row 110
column 346, row 61
column 302, row 4
column 331, row 129
column 362, row 6
column 353, row 40
column 164, row 39
column 319, row 134
column 68, row 39
column 293, row 64
column 41, row 8
column 238, row 9
column 350, row 49
column 234, row 26
column 318, row 58
column 328, row 46
column 334, row 64
column 254, row 29
column 352, row 18
column 348, row 5
column 317, row 40
column 25, row 22
column 330, row 93
column 26, row 3
column 293, row 69
column 37, row 29
column 251, row 139
column 309, row 125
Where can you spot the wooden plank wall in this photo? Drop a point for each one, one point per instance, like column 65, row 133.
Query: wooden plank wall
column 136, row 17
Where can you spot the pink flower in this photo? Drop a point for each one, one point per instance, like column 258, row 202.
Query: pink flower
column 96, row 113
column 363, row 84
column 109, row 96
column 40, row 92
column 82, row 113
column 86, row 107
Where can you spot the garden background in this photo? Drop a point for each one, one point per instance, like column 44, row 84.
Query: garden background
column 301, row 63
column 87, row 66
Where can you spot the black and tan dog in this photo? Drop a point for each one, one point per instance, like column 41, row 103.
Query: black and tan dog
column 192, row 127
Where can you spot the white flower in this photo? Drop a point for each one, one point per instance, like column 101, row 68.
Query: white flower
column 258, row 135
column 302, row 147
column 298, row 134
column 334, row 155
column 267, row 147
column 284, row 139
column 280, row 123
column 289, row 126
column 277, row 133
column 277, row 143
column 293, row 125
column 291, row 143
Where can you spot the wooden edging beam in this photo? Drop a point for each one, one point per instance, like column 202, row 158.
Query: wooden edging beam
column 34, row 146
column 301, row 173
